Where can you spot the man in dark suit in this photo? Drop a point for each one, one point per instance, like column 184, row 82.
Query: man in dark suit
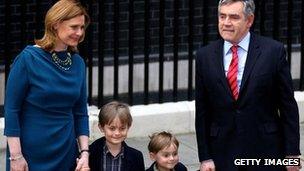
column 245, row 106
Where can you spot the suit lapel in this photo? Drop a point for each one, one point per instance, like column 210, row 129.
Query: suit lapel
column 253, row 54
column 219, row 65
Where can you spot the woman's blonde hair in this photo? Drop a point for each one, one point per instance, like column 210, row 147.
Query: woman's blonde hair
column 60, row 11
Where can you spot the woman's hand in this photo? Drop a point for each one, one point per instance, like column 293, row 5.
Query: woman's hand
column 83, row 162
column 17, row 161
column 19, row 164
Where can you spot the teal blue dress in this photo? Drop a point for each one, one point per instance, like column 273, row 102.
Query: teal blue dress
column 46, row 106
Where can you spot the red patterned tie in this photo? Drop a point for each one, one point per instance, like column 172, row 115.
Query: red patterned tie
column 232, row 72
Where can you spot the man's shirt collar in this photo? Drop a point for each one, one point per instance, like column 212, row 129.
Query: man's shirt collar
column 244, row 44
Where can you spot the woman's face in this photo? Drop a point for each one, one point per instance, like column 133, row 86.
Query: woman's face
column 69, row 32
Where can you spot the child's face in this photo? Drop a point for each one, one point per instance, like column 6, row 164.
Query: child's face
column 166, row 158
column 115, row 132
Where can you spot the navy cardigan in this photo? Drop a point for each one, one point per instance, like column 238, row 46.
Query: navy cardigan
column 133, row 159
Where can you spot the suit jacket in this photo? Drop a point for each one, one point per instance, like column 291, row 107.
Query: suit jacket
column 263, row 122
column 133, row 159
column 178, row 167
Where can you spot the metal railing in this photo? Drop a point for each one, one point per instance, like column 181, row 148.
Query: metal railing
column 96, row 57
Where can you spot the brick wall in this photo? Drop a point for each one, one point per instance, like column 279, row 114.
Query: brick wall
column 34, row 23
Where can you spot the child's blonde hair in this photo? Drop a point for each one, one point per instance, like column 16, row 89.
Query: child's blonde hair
column 161, row 140
column 115, row 109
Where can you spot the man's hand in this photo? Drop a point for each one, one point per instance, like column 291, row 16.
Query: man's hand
column 207, row 165
column 294, row 168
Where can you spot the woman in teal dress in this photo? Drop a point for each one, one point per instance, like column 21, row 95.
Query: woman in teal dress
column 46, row 120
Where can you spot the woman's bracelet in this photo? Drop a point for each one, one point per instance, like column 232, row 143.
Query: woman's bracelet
column 16, row 158
column 84, row 150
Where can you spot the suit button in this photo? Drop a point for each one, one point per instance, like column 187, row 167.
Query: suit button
column 235, row 105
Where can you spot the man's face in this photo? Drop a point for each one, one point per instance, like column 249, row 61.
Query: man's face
column 233, row 24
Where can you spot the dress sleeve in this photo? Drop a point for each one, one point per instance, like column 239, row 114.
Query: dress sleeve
column 81, row 119
column 16, row 91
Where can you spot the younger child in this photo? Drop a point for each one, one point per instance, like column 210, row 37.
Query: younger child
column 111, row 152
column 163, row 150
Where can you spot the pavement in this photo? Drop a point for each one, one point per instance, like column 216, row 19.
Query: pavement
column 187, row 148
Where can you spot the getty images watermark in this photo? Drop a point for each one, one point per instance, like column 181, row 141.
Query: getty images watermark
column 268, row 162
